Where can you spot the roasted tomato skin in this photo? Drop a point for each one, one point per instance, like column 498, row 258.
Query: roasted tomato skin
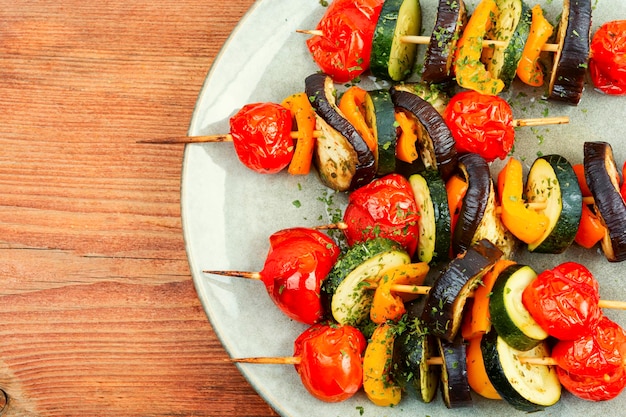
column 593, row 367
column 607, row 63
column 298, row 261
column 331, row 364
column 262, row 137
column 564, row 301
column 386, row 208
column 481, row 124
column 343, row 51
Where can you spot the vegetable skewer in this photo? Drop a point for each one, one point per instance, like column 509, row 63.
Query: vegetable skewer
column 425, row 40
column 398, row 288
column 227, row 137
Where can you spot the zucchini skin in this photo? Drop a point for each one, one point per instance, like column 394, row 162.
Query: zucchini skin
column 434, row 125
column 383, row 62
column 439, row 198
column 608, row 200
column 385, row 131
column 317, row 88
column 570, row 64
column 564, row 232
column 498, row 376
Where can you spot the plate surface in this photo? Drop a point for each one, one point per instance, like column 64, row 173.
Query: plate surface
column 229, row 212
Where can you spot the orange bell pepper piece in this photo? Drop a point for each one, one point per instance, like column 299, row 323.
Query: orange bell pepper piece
column 470, row 71
column 528, row 69
column 387, row 305
column 523, row 222
column 406, row 146
column 479, row 320
column 579, row 170
column 456, row 187
column 476, row 373
column 591, row 229
column 304, row 116
column 377, row 362
column 352, row 105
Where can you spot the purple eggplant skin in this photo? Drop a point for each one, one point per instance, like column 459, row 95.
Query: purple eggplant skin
column 434, row 125
column 455, row 386
column 443, row 309
column 479, row 183
column 570, row 63
column 320, row 89
column 451, row 16
column 600, row 170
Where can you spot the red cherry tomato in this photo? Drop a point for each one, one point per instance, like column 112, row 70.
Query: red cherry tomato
column 564, row 301
column 481, row 124
column 593, row 367
column 298, row 261
column 331, row 366
column 607, row 63
column 623, row 188
column 262, row 137
column 386, row 208
column 343, row 51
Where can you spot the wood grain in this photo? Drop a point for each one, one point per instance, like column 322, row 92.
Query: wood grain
column 98, row 313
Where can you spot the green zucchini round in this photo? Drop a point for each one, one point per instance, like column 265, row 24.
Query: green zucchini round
column 552, row 180
column 509, row 317
column 526, row 387
column 380, row 115
column 391, row 58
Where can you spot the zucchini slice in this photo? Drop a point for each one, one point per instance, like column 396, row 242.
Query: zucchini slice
column 391, row 58
column 552, row 181
column 380, row 114
column 443, row 310
column 434, row 224
column 509, row 317
column 513, row 27
column 355, row 173
column 570, row 63
column 411, row 351
column 455, row 387
column 524, row 386
column 602, row 174
column 351, row 302
column 451, row 17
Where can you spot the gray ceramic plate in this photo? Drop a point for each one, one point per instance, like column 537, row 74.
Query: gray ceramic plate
column 229, row 211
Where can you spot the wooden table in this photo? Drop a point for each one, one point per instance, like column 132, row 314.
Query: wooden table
column 98, row 312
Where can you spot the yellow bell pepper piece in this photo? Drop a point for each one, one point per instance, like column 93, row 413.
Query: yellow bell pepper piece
column 522, row 221
column 528, row 69
column 377, row 382
column 469, row 70
column 386, row 304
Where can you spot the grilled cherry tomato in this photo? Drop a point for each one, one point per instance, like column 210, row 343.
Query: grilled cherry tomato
column 564, row 301
column 607, row 63
column 481, row 124
column 262, row 137
column 298, row 261
column 343, row 50
column 331, row 365
column 386, row 208
column 593, row 367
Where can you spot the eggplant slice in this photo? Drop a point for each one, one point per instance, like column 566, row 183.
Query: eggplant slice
column 443, row 310
column 321, row 91
column 451, row 17
column 601, row 175
column 435, row 141
column 570, row 63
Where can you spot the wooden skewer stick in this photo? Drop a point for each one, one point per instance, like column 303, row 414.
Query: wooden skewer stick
column 227, row 137
column 435, row 360
column 425, row 40
column 399, row 288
